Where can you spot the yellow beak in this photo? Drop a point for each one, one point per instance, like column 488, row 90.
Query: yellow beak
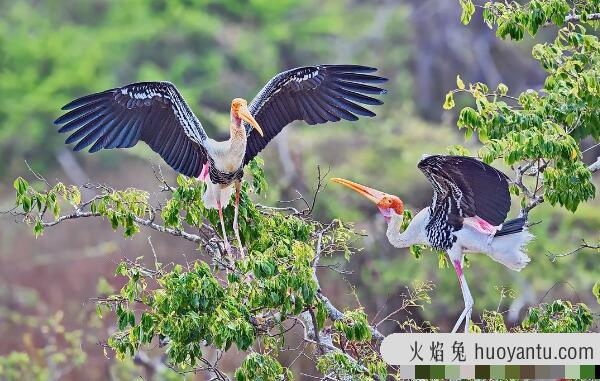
column 244, row 114
column 370, row 193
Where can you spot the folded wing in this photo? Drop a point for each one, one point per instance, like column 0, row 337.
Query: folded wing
column 467, row 187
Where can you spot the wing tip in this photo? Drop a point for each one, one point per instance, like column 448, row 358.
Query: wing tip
column 351, row 68
column 78, row 147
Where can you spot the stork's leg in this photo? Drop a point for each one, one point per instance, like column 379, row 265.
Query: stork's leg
column 225, row 240
column 468, row 299
column 235, row 217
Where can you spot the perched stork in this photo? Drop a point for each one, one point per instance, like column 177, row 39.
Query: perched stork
column 157, row 114
column 470, row 203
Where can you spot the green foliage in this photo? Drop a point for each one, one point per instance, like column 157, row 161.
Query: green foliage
column 546, row 126
column 121, row 208
column 193, row 305
column 188, row 307
column 19, row 366
column 558, row 317
column 262, row 368
column 259, row 183
column 513, row 19
column 354, row 326
column 127, row 370
column 468, row 9
column 229, row 303
column 340, row 366
column 40, row 363
column 493, row 322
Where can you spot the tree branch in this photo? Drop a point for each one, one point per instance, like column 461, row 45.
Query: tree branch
column 593, row 168
column 575, row 18
column 135, row 206
column 584, row 245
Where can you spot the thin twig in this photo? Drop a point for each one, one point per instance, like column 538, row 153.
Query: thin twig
column 584, row 245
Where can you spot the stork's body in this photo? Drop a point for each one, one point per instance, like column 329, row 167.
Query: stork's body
column 470, row 203
column 156, row 113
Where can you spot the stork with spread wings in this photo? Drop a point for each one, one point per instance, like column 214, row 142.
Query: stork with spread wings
column 157, row 114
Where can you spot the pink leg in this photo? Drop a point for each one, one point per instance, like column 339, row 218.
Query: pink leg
column 225, row 240
column 235, row 217
column 468, row 299
column 204, row 173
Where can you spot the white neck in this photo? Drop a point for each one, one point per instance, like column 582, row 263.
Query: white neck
column 229, row 154
column 414, row 233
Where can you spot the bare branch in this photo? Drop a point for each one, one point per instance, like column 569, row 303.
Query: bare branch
column 575, row 18
column 595, row 167
column 584, row 245
column 333, row 312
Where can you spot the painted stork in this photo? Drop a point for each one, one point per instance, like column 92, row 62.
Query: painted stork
column 470, row 203
column 157, row 114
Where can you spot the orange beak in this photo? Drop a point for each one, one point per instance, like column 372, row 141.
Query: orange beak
column 372, row 194
column 244, row 114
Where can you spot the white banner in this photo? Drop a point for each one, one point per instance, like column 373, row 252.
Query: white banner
column 491, row 348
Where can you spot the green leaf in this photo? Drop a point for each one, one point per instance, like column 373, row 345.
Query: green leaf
column 449, row 103
column 26, row 203
column 596, row 291
column 181, row 180
column 468, row 9
column 502, row 89
column 38, row 228
column 459, row 82
column 468, row 134
column 483, row 135
column 20, row 185
column 121, row 269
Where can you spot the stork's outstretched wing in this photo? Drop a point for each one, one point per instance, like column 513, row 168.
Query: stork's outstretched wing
column 315, row 94
column 153, row 112
column 465, row 187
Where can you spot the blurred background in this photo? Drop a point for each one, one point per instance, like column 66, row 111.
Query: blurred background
column 214, row 50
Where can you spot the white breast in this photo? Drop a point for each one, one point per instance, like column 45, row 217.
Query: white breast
column 228, row 156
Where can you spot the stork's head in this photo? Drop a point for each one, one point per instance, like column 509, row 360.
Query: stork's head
column 240, row 111
column 387, row 203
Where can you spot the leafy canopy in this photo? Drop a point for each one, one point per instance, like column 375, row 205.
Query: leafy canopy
column 541, row 129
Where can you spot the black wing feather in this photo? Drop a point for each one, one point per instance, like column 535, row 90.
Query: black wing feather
column 477, row 188
column 314, row 94
column 153, row 112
